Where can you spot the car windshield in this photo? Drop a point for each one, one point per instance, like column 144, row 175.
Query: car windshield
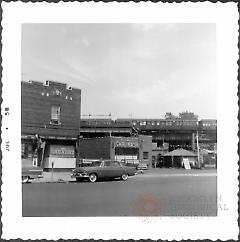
column 96, row 163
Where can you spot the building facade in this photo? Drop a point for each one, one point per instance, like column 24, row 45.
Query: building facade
column 167, row 134
column 123, row 149
column 50, row 123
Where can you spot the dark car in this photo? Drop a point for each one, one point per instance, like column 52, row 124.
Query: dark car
column 103, row 169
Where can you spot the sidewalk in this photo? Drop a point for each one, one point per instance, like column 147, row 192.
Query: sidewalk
column 54, row 177
column 180, row 172
column 58, row 177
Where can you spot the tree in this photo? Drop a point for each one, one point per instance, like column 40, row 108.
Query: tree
column 169, row 115
column 188, row 116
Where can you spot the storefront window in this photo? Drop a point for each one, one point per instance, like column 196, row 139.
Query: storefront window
column 26, row 150
column 126, row 151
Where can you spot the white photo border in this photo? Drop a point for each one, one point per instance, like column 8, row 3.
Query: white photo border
column 225, row 225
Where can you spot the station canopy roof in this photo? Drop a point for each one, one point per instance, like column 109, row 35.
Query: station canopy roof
column 180, row 152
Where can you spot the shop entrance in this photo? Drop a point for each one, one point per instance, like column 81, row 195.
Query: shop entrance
column 126, row 154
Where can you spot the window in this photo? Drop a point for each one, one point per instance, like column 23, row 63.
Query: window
column 69, row 88
column 46, row 83
column 55, row 115
column 107, row 163
column 115, row 164
column 27, row 150
column 145, row 155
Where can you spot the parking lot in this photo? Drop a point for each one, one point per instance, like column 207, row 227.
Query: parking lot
column 170, row 192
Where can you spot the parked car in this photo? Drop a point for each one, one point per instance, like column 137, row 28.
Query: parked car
column 103, row 169
column 142, row 166
column 130, row 162
column 31, row 172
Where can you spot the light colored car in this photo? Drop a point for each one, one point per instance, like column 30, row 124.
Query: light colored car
column 103, row 169
column 142, row 166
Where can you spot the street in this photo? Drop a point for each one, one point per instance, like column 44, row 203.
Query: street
column 184, row 193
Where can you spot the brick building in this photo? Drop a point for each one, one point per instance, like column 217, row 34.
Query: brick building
column 128, row 149
column 50, row 123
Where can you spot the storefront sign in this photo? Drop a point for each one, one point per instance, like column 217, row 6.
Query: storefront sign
column 186, row 164
column 61, row 151
column 126, row 144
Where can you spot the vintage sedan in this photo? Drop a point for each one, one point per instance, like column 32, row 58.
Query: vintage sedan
column 103, row 169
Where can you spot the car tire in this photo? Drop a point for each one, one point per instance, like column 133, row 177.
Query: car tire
column 92, row 177
column 25, row 179
column 124, row 177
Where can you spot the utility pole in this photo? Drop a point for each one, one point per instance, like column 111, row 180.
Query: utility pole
column 139, row 147
column 198, row 158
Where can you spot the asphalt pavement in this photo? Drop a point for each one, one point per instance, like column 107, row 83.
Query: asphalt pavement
column 167, row 192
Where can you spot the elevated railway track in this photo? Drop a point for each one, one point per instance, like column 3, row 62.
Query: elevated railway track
column 177, row 132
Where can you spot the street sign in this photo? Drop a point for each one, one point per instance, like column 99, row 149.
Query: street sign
column 186, row 164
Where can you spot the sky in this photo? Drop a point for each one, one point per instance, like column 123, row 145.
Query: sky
column 128, row 70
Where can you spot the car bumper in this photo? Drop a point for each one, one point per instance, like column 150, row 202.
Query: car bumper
column 142, row 168
column 79, row 175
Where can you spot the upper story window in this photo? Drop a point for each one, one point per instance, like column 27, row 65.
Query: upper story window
column 55, row 115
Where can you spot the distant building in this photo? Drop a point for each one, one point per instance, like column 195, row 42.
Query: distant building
column 125, row 149
column 177, row 132
column 183, row 116
column 50, row 122
column 158, row 152
column 169, row 115
column 176, row 158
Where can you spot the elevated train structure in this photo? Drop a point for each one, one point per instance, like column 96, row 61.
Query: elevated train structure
column 178, row 133
column 91, row 128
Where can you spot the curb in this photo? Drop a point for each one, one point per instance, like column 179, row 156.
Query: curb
column 49, row 181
